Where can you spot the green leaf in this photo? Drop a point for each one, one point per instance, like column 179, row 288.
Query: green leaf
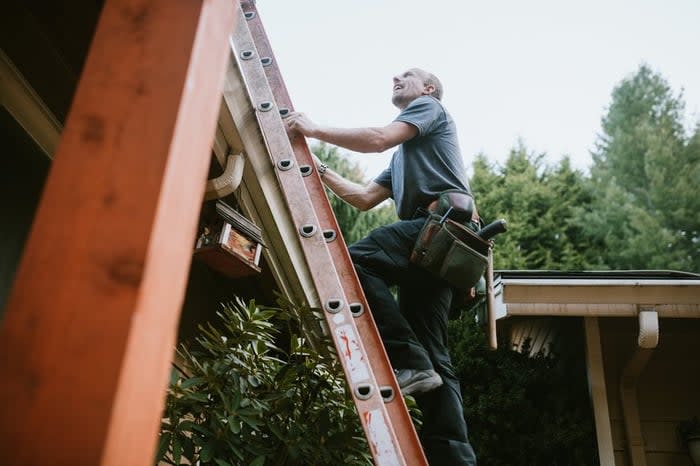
column 163, row 444
column 201, row 429
column 199, row 396
column 206, row 453
column 177, row 449
column 221, row 462
column 186, row 426
column 252, row 422
column 192, row 382
column 259, row 461
column 234, row 424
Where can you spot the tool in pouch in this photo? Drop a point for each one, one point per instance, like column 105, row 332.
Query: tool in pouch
column 449, row 249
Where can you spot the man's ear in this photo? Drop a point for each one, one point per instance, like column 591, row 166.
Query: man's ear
column 428, row 89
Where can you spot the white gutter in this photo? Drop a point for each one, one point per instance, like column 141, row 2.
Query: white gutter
column 593, row 309
column 596, row 297
column 229, row 181
column 636, row 282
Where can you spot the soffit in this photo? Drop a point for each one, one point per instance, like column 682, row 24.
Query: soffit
column 597, row 293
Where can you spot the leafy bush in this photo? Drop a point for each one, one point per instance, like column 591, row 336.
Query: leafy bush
column 257, row 393
column 524, row 410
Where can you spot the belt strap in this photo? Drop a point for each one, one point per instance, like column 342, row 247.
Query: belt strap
column 475, row 214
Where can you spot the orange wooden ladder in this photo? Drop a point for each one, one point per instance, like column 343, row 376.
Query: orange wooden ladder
column 385, row 419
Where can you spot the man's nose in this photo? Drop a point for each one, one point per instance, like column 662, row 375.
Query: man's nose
column 396, row 79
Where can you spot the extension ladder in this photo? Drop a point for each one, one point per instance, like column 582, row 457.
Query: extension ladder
column 385, row 419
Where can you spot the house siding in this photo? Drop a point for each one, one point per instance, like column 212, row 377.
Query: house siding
column 667, row 388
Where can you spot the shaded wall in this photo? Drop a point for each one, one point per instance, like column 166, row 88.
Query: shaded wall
column 23, row 170
column 667, row 390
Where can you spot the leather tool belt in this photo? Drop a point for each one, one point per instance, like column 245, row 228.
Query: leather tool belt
column 457, row 204
column 448, row 249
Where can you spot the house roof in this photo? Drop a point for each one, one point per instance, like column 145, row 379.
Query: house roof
column 596, row 293
column 600, row 274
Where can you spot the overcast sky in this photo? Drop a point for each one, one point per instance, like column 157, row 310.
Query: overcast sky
column 540, row 71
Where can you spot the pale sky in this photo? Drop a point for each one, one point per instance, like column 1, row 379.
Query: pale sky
column 540, row 71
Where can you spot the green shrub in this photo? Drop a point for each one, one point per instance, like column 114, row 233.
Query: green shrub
column 524, row 410
column 258, row 393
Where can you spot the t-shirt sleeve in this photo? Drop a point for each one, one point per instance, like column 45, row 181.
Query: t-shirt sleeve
column 423, row 113
column 384, row 178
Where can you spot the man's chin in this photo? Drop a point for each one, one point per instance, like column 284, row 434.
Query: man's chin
column 398, row 101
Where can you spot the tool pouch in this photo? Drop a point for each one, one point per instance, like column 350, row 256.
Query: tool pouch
column 457, row 204
column 451, row 251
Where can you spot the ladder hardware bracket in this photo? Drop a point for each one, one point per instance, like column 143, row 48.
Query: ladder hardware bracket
column 357, row 309
column 387, row 393
column 334, row 305
column 265, row 106
column 329, row 235
column 306, row 170
column 308, row 230
column 364, row 391
column 285, row 164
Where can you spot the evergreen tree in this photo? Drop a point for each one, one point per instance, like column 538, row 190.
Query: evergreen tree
column 542, row 205
column 645, row 176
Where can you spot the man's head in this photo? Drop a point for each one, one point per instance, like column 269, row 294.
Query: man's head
column 412, row 84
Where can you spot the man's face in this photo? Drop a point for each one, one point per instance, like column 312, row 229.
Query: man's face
column 407, row 87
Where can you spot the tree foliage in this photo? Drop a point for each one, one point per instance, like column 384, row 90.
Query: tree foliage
column 645, row 176
column 542, row 205
column 524, row 410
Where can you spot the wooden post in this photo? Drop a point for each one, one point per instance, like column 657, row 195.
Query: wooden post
column 91, row 322
column 491, row 304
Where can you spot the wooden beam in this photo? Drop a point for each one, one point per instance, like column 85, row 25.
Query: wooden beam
column 23, row 103
column 598, row 390
column 91, row 321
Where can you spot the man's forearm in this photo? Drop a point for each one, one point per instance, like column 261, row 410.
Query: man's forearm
column 363, row 140
column 368, row 139
column 348, row 191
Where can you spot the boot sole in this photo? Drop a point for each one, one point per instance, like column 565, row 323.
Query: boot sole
column 422, row 386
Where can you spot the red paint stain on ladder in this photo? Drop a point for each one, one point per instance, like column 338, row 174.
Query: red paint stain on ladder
column 368, row 423
column 346, row 340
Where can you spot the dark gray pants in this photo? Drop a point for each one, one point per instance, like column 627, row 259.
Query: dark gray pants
column 414, row 332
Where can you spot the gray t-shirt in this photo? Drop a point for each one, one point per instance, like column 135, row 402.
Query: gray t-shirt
column 429, row 163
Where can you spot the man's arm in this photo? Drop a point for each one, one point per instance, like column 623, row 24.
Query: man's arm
column 357, row 195
column 371, row 139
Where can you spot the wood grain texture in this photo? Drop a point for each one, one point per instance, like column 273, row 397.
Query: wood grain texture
column 91, row 321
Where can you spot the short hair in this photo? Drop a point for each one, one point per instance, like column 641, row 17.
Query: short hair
column 429, row 79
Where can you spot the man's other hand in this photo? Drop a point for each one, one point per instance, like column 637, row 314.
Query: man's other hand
column 298, row 122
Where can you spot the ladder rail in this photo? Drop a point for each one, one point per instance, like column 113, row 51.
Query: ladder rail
column 374, row 415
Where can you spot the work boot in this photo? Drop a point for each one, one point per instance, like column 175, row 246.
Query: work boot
column 413, row 381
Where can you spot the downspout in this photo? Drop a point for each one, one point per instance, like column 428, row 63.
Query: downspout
column 647, row 340
column 229, row 180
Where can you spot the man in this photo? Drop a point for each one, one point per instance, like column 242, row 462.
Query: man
column 414, row 329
